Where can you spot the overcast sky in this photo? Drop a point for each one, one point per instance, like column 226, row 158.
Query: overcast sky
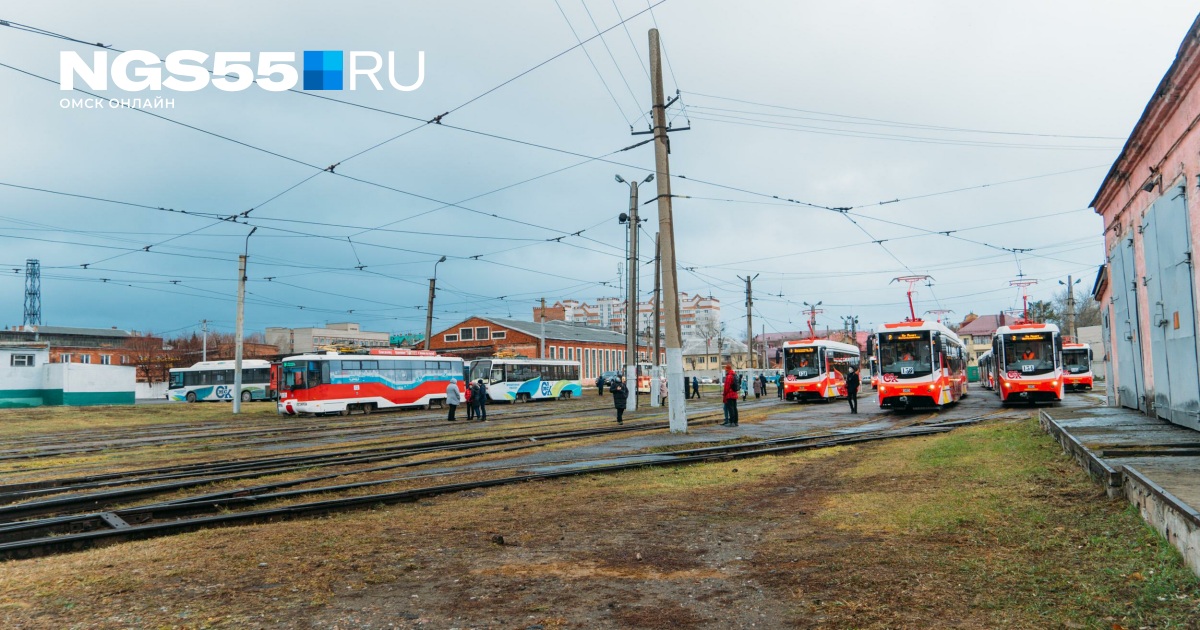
column 838, row 104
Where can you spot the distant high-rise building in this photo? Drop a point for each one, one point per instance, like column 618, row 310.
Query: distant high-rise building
column 696, row 312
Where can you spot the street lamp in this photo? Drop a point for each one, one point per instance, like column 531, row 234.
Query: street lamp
column 241, row 311
column 429, row 308
column 631, row 298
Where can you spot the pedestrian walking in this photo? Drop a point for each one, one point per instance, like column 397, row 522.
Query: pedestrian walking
column 695, row 387
column 469, row 400
column 620, row 394
column 481, row 401
column 852, row 389
column 453, row 399
column 745, row 385
column 757, row 388
column 662, row 390
column 729, row 396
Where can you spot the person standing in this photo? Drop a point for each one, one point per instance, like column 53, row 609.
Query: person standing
column 453, row 398
column 600, row 385
column 745, row 385
column 729, row 396
column 481, row 401
column 620, row 394
column 695, row 387
column 779, row 385
column 762, row 381
column 852, row 389
column 469, row 400
column 662, row 391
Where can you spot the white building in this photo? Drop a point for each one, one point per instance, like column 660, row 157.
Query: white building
column 695, row 312
column 29, row 379
column 301, row 340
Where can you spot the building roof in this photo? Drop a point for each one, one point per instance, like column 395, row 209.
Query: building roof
column 1164, row 100
column 563, row 331
column 983, row 325
column 69, row 330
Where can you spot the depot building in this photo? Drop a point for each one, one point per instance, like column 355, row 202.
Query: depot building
column 597, row 349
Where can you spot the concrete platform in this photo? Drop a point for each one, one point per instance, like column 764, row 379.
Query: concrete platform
column 1154, row 464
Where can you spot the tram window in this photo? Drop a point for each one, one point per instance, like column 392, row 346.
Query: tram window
column 497, row 374
column 351, row 365
column 370, row 365
column 444, row 366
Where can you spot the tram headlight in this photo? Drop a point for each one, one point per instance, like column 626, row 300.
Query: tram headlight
column 1054, row 383
column 1008, row 386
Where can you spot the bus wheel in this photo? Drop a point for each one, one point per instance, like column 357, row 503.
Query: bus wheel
column 246, row 396
column 191, row 396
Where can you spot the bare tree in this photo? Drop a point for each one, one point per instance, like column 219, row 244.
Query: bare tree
column 1087, row 309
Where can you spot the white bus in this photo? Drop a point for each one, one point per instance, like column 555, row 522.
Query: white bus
column 213, row 380
column 523, row 380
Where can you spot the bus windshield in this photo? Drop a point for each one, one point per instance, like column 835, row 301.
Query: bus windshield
column 176, row 380
column 1029, row 353
column 301, row 374
column 905, row 355
column 1076, row 361
column 802, row 362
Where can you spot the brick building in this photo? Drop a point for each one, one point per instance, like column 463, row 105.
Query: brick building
column 96, row 346
column 597, row 349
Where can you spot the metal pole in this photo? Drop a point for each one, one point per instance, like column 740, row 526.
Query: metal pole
column 675, row 397
column 657, row 372
column 429, row 307
column 631, row 302
column 241, row 312
column 204, row 347
column 542, row 347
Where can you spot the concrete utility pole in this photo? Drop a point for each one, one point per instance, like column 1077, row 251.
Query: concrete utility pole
column 676, row 411
column 429, row 307
column 812, row 317
column 750, row 354
column 657, row 372
column 850, row 326
column 1071, row 307
column 542, row 349
column 241, row 313
column 204, row 344
column 631, row 296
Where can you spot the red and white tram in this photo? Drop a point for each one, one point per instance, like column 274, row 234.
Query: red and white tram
column 1028, row 363
column 1077, row 366
column 383, row 379
column 815, row 369
column 921, row 364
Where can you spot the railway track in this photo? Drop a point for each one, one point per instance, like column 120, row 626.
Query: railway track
column 77, row 521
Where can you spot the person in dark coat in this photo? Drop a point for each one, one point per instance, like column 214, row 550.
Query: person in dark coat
column 730, row 396
column 779, row 386
column 620, row 394
column 852, row 389
column 600, row 385
column 695, row 387
column 480, row 400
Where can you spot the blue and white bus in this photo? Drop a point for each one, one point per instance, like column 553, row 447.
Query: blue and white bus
column 523, row 380
column 213, row 380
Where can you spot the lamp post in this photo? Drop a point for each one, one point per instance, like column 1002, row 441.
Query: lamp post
column 241, row 317
column 429, row 308
column 632, row 294
column 1071, row 305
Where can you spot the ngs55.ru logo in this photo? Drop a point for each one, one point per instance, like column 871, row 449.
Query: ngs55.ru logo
column 186, row 70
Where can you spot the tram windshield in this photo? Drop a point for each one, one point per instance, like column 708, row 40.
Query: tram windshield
column 904, row 355
column 803, row 362
column 303, row 374
column 1076, row 361
column 483, row 370
column 1029, row 353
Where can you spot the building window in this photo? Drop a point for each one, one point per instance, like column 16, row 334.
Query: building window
column 22, row 360
column 450, row 338
column 85, row 358
column 499, row 334
column 466, row 334
column 64, row 358
column 106, row 359
column 481, row 333
column 570, row 354
column 124, row 359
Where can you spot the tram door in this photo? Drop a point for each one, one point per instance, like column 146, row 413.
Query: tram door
column 1172, row 325
column 1125, row 322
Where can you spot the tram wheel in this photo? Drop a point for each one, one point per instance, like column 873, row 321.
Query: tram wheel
column 367, row 408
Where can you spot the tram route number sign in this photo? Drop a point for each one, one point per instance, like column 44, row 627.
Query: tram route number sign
column 906, row 369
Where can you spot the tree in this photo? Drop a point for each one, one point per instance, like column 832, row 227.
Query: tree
column 1042, row 311
column 1087, row 309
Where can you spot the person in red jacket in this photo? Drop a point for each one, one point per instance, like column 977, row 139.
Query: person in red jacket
column 730, row 397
